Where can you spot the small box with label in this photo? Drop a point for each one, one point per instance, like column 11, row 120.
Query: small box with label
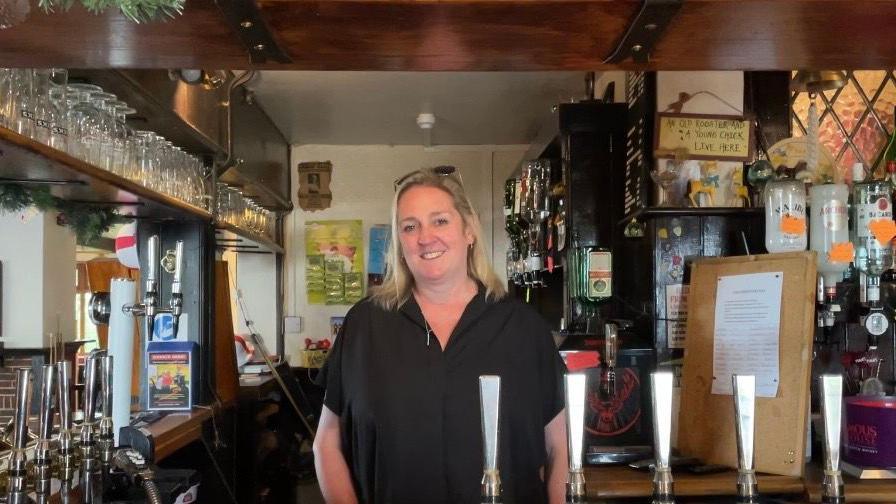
column 171, row 370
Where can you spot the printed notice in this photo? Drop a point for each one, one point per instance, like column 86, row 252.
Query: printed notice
column 747, row 328
column 676, row 314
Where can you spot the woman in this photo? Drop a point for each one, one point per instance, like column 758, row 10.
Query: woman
column 400, row 422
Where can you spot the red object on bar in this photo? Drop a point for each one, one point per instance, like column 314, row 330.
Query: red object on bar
column 579, row 360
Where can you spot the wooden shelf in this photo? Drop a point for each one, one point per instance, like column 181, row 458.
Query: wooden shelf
column 856, row 490
column 25, row 160
column 176, row 430
column 621, row 482
column 229, row 236
column 654, row 212
column 262, row 195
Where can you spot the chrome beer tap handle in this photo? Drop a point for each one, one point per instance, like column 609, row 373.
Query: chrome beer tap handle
column 831, row 410
column 43, row 452
column 177, row 298
column 18, row 460
column 661, row 394
column 611, row 346
column 149, row 307
column 576, row 389
column 67, row 448
column 744, row 413
column 489, row 402
column 88, row 437
column 106, row 435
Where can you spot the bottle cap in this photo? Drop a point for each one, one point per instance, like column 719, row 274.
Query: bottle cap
column 858, row 172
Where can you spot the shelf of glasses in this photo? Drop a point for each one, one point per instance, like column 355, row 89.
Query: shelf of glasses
column 228, row 236
column 25, row 160
column 654, row 212
column 259, row 192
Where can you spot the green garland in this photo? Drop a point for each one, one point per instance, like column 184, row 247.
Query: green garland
column 138, row 11
column 87, row 220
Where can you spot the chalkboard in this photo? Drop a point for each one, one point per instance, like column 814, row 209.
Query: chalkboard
column 704, row 136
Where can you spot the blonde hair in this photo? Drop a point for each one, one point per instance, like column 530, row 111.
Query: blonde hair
column 399, row 282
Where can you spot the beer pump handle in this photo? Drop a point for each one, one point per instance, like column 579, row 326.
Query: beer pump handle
column 575, row 388
column 489, row 402
column 661, row 392
column 744, row 387
column 831, row 411
column 47, row 402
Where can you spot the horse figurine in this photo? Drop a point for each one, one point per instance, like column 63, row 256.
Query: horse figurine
column 738, row 187
column 706, row 184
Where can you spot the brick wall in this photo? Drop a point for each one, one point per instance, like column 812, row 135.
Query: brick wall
column 8, row 380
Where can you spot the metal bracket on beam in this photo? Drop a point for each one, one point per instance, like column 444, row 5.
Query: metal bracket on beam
column 245, row 20
column 645, row 30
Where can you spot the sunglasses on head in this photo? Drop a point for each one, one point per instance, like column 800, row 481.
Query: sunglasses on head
column 443, row 170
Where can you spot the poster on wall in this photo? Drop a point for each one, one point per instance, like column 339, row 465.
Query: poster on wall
column 379, row 245
column 677, row 314
column 334, row 262
column 314, row 185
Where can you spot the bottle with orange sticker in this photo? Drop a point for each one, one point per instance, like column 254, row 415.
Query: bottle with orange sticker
column 829, row 238
column 785, row 215
column 873, row 228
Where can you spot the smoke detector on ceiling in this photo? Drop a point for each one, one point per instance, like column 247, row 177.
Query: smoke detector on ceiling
column 426, row 122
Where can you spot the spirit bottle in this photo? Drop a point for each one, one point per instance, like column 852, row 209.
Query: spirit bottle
column 829, row 238
column 872, row 228
column 785, row 216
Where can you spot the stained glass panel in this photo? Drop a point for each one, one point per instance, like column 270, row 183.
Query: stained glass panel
column 865, row 109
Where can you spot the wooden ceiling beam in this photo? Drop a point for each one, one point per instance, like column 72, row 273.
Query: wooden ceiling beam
column 472, row 35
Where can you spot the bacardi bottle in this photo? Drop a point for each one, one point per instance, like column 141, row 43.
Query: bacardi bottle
column 871, row 231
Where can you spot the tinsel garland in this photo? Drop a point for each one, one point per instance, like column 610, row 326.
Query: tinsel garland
column 87, row 220
column 138, row 11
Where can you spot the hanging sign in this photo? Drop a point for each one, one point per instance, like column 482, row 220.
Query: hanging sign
column 703, row 136
column 314, row 185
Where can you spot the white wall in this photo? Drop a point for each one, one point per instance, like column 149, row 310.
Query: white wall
column 362, row 187
column 255, row 276
column 38, row 282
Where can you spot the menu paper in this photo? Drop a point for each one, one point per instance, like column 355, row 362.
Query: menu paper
column 747, row 328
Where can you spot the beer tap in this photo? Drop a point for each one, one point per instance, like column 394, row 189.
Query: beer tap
column 831, row 404
column 148, row 307
column 744, row 412
column 661, row 392
column 611, row 337
column 176, row 302
column 575, row 385
column 489, row 398
column 106, row 436
column 18, row 460
column 88, row 436
column 43, row 452
column 67, row 452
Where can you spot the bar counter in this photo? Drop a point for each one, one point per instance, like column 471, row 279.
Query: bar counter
column 622, row 482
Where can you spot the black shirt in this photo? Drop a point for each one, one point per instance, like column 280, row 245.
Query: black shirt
column 409, row 412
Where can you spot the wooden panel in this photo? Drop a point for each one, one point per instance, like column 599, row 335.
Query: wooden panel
column 617, row 482
column 78, row 39
column 706, row 422
column 226, row 377
column 453, row 35
column 472, row 35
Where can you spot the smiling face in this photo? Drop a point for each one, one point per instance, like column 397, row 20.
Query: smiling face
column 434, row 239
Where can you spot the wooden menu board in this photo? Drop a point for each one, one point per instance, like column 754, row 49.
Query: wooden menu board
column 706, row 421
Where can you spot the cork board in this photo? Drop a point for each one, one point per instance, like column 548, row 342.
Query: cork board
column 706, row 422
